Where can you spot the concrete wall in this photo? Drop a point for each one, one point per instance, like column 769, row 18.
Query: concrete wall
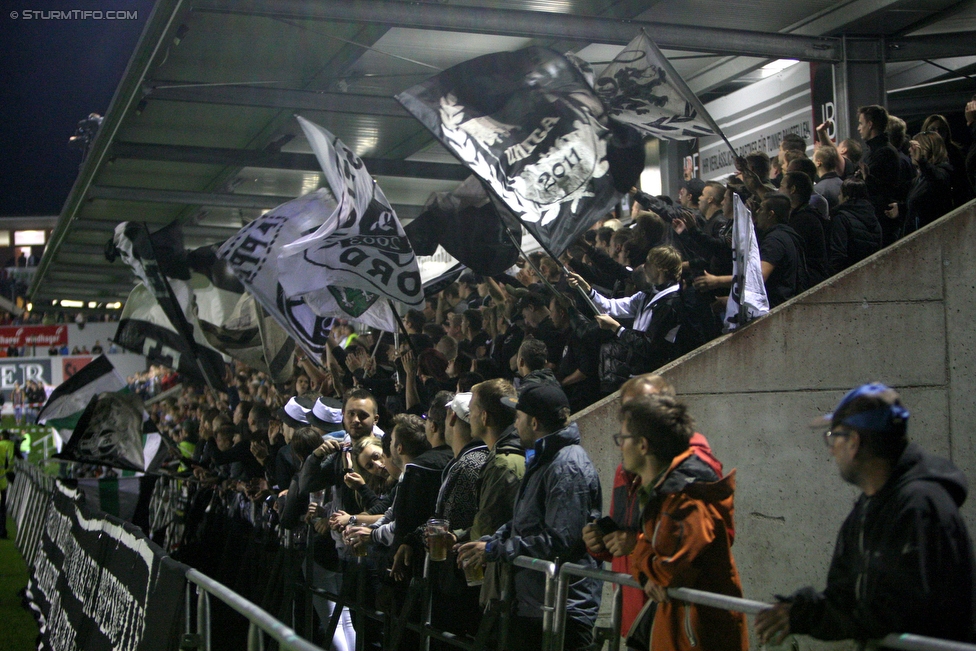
column 904, row 317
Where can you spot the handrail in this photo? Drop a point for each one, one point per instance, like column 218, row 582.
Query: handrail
column 287, row 638
column 902, row 641
column 550, row 642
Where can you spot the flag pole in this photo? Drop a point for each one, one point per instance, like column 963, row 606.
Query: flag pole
column 545, row 281
column 396, row 315
column 379, row 339
column 686, row 92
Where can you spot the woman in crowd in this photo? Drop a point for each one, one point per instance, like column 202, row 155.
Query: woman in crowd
column 931, row 193
column 656, row 310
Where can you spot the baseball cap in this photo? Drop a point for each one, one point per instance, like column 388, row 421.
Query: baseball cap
column 461, row 405
column 542, row 401
column 694, row 187
column 530, row 299
column 326, row 414
column 887, row 418
column 295, row 412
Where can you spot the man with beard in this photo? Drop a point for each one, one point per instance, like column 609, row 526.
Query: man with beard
column 903, row 562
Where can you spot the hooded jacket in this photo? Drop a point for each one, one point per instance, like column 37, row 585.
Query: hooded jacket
column 903, row 562
column 854, row 234
column 559, row 494
column 687, row 542
column 626, row 512
column 498, row 484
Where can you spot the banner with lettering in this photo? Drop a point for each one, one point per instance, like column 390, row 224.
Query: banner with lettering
column 337, row 252
column 97, row 583
column 46, row 336
column 529, row 125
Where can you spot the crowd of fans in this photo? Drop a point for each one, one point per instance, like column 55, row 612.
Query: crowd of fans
column 152, row 382
column 455, row 439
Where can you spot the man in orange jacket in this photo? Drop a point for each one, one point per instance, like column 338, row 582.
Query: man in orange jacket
column 687, row 516
column 625, row 511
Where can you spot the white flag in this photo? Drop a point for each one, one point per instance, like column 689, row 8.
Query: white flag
column 641, row 88
column 353, row 241
column 748, row 288
column 337, row 252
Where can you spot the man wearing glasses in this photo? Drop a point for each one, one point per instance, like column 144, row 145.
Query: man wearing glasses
column 903, row 562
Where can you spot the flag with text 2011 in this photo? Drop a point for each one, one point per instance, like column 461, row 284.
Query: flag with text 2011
column 528, row 125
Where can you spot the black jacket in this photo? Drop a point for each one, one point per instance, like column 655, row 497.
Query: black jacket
column 806, row 221
column 417, row 494
column 854, row 234
column 632, row 353
column 559, row 494
column 903, row 561
column 929, row 198
column 881, row 170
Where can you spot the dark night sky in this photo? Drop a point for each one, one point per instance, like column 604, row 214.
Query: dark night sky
column 53, row 73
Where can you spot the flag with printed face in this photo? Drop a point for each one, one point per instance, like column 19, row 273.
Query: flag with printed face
column 642, row 89
column 528, row 125
column 748, row 287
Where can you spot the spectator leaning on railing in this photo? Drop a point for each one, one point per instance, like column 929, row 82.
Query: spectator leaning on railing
column 903, row 562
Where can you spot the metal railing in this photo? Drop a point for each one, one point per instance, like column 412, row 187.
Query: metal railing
column 902, row 641
column 260, row 621
column 32, row 491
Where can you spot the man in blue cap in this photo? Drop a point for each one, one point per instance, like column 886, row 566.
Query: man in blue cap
column 903, row 562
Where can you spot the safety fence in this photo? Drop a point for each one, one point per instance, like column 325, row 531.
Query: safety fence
column 177, row 600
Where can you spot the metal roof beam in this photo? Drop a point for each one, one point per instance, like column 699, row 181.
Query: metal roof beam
column 932, row 46
column 217, row 200
column 281, row 160
column 279, row 98
column 538, row 24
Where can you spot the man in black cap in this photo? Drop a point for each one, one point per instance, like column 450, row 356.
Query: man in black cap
column 558, row 495
column 903, row 561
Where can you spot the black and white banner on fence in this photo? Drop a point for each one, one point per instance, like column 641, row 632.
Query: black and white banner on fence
column 99, row 584
column 527, row 123
column 641, row 88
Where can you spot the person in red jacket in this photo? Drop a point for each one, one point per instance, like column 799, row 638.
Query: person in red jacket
column 615, row 548
column 687, row 514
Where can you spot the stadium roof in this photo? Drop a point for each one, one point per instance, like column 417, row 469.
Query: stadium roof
column 201, row 128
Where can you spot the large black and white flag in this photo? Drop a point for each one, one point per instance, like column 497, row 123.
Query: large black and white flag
column 747, row 299
column 115, row 431
column 224, row 318
column 528, row 124
column 164, row 273
column 642, row 89
column 337, row 252
column 69, row 400
column 145, row 328
column 470, row 226
column 233, row 322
